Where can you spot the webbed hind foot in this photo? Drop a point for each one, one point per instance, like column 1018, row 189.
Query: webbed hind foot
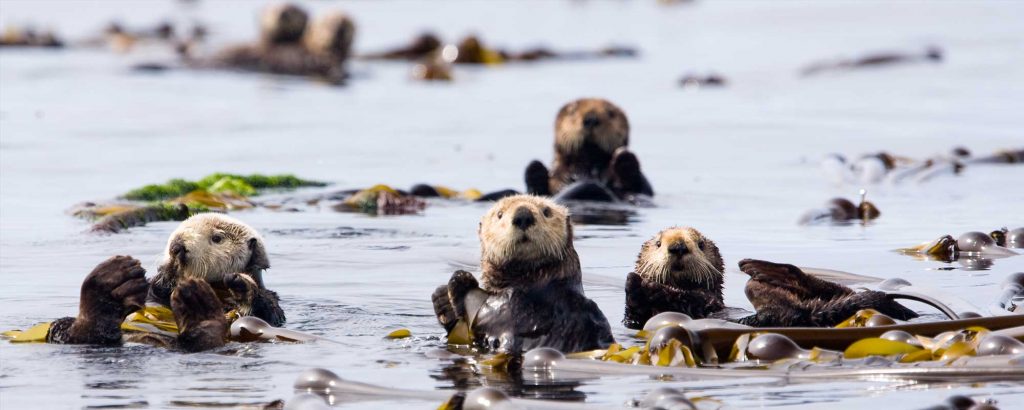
column 200, row 316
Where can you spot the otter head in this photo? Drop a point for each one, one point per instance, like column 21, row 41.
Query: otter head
column 681, row 257
column 283, row 23
column 331, row 35
column 527, row 241
column 208, row 246
column 587, row 132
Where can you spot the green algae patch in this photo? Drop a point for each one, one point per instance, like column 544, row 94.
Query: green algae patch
column 155, row 192
column 245, row 185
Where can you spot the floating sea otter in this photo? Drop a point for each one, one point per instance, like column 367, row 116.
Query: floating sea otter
column 212, row 264
column 532, row 291
column 930, row 55
column 288, row 46
column 592, row 161
column 841, row 210
column 680, row 270
column 29, row 37
column 883, row 166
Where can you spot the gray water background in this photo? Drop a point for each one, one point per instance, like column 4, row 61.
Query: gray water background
column 739, row 163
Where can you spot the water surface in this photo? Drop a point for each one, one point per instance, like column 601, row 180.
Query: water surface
column 739, row 163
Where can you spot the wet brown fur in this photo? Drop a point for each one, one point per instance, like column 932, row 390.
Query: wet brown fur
column 587, row 133
column 531, row 274
column 783, row 295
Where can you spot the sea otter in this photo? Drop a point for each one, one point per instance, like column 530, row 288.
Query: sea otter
column 681, row 270
column 591, row 139
column 532, row 292
column 288, row 46
column 212, row 263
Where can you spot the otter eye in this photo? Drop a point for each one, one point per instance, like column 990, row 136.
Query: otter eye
column 217, row 238
column 547, row 212
column 500, row 214
column 700, row 245
column 611, row 114
column 657, row 244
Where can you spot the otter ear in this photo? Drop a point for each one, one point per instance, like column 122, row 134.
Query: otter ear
column 568, row 231
column 257, row 256
column 713, row 251
column 566, row 109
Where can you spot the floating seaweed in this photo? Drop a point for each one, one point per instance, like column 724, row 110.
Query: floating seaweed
column 245, row 185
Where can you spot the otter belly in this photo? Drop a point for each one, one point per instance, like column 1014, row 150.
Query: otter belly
column 557, row 317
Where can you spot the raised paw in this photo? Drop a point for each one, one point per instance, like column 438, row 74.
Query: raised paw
column 236, row 290
column 199, row 314
column 626, row 176
column 115, row 287
column 537, row 179
column 458, row 286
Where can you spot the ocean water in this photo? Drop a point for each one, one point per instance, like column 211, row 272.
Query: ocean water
column 740, row 163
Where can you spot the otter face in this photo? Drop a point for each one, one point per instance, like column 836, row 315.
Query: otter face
column 208, row 246
column 590, row 120
column 525, row 229
column 283, row 23
column 331, row 34
column 680, row 255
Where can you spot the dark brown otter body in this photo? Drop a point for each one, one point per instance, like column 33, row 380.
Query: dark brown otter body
column 213, row 264
column 288, row 47
column 680, row 270
column 532, row 288
column 591, row 136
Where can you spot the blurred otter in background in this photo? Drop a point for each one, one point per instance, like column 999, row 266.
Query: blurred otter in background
column 29, row 37
column 930, row 55
column 592, row 161
column 472, row 50
column 288, row 46
column 886, row 167
column 842, row 210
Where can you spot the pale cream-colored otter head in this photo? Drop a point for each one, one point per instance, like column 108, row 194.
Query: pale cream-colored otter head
column 527, row 241
column 210, row 245
column 331, row 34
column 590, row 122
column 682, row 257
column 283, row 23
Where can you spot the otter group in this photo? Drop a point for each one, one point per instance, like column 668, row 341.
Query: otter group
column 530, row 293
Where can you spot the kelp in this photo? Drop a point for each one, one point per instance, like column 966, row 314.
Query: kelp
column 117, row 219
column 700, row 343
column 381, row 199
column 178, row 199
column 245, row 185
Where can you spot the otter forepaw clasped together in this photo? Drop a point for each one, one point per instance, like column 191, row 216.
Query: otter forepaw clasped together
column 531, row 293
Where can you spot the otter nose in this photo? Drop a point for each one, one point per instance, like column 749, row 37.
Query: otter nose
column 590, row 120
column 178, row 250
column 523, row 218
column 678, row 249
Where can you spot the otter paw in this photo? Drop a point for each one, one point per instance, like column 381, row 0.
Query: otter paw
column 458, row 286
column 626, row 169
column 537, row 179
column 238, row 291
column 115, row 287
column 199, row 314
